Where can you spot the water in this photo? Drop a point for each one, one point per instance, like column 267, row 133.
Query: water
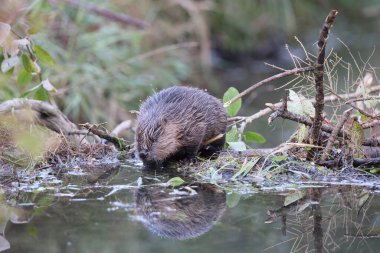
column 131, row 211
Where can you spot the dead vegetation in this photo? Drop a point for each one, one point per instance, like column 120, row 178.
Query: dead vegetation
column 347, row 137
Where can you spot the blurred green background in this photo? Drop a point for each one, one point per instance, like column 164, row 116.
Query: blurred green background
column 105, row 68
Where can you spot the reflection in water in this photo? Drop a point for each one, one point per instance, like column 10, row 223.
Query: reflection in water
column 341, row 222
column 185, row 213
column 117, row 216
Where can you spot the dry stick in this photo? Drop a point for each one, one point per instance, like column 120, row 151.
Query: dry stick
column 277, row 112
column 118, row 142
column 363, row 99
column 126, row 124
column 334, row 135
column 330, row 98
column 215, row 138
column 318, row 73
column 371, row 123
column 372, row 142
column 366, row 161
column 300, row 119
column 118, row 17
column 284, row 106
column 267, row 80
column 352, row 104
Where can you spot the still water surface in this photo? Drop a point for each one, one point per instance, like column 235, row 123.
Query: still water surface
column 111, row 213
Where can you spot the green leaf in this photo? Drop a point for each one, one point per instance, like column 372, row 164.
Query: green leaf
column 279, row 158
column 41, row 94
column 43, row 55
column 302, row 133
column 232, row 199
column 293, row 197
column 28, row 64
column 246, row 168
column 32, row 230
column 30, row 91
column 375, row 170
column 254, row 137
column 42, row 205
column 232, row 135
column 237, row 146
column 234, row 108
column 176, row 181
column 24, row 77
column 357, row 136
column 376, row 230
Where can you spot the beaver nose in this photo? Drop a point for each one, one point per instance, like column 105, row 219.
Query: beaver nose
column 143, row 154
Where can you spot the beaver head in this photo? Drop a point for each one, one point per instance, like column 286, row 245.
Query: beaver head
column 156, row 141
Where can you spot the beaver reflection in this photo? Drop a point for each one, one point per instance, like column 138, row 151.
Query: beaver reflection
column 185, row 213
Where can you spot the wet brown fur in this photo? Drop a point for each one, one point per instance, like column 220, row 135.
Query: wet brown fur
column 174, row 123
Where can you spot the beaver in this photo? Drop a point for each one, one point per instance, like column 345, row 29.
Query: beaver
column 176, row 122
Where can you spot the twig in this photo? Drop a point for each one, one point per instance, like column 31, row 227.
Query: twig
column 372, row 142
column 301, row 119
column 267, row 80
column 334, row 135
column 237, row 118
column 215, row 138
column 318, row 73
column 363, row 99
column 284, row 106
column 330, row 98
column 126, row 124
column 333, row 98
column 118, row 142
column 371, row 123
column 366, row 161
column 118, row 17
column 352, row 104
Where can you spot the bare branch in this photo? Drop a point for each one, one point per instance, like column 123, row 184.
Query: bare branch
column 118, row 142
column 319, row 72
column 267, row 80
column 352, row 104
column 371, row 123
column 301, row 119
column 334, row 135
column 330, row 98
column 277, row 112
